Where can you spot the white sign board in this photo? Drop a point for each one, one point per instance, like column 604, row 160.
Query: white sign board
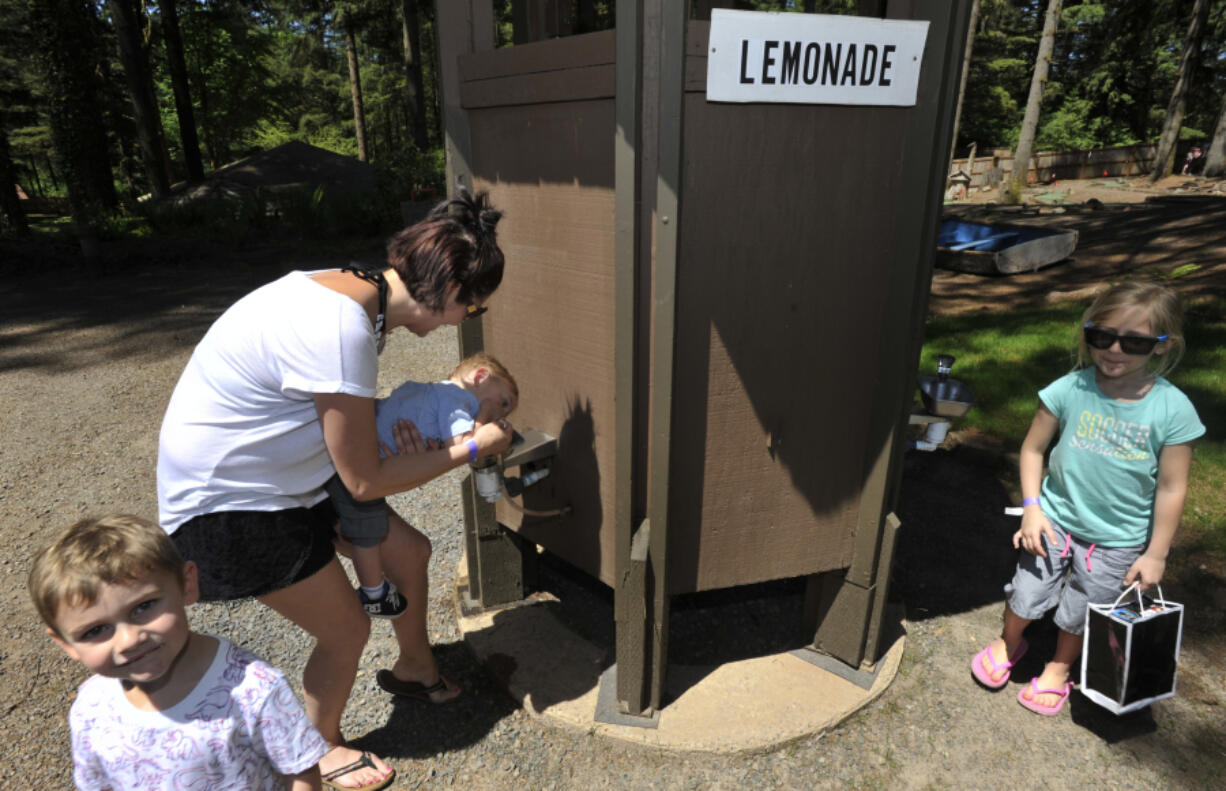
column 757, row 56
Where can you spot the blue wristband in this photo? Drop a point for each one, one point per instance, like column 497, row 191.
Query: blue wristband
column 1029, row 501
column 472, row 451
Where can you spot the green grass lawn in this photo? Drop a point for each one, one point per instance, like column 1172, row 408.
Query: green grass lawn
column 1007, row 358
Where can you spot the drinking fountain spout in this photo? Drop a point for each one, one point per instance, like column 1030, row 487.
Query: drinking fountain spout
column 944, row 398
column 945, row 364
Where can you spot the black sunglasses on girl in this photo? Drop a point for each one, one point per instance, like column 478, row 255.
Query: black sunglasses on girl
column 1129, row 344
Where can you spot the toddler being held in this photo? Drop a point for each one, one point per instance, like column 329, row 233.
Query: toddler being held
column 480, row 390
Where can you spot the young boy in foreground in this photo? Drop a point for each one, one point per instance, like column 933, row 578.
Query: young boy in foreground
column 166, row 707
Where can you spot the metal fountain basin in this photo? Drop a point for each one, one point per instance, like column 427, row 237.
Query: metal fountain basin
column 944, row 396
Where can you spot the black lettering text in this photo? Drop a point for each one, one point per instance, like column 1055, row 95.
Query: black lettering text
column 830, row 67
column 849, row 66
column 745, row 78
column 813, row 54
column 768, row 61
column 868, row 70
column 791, row 63
column 886, row 51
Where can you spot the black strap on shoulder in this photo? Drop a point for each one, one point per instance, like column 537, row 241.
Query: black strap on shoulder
column 380, row 282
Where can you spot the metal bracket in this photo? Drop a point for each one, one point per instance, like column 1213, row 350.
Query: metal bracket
column 530, row 446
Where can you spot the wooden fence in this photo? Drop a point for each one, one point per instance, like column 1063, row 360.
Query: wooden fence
column 1045, row 166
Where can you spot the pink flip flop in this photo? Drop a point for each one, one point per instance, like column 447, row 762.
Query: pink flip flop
column 985, row 678
column 1034, row 705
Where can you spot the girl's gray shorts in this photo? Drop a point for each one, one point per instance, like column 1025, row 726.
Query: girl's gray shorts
column 1071, row 578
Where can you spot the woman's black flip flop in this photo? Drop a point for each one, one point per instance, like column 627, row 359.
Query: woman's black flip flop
column 411, row 689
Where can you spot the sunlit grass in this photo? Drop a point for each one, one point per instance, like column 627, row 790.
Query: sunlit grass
column 1007, row 358
column 1202, row 375
column 116, row 225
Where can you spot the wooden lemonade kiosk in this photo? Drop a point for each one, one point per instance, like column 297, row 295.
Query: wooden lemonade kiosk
column 714, row 306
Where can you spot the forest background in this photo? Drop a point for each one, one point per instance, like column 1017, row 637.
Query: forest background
column 102, row 102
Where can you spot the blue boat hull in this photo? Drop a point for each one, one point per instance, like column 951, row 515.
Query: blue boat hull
column 996, row 249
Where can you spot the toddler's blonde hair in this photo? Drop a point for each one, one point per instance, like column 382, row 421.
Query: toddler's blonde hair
column 483, row 360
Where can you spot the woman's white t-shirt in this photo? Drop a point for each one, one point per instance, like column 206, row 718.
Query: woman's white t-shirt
column 241, row 431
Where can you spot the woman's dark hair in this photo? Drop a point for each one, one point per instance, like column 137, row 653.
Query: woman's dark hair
column 455, row 244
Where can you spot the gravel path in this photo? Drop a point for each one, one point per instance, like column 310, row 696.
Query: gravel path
column 86, row 367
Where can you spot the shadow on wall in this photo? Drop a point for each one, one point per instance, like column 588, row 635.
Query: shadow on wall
column 574, row 480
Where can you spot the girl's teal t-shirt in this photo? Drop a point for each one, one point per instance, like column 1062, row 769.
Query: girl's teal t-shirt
column 1103, row 471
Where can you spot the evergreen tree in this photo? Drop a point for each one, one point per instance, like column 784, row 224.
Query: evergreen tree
column 998, row 74
column 968, row 51
column 129, row 21
column 1164, row 159
column 415, row 94
column 228, row 50
column 1215, row 157
column 1011, row 188
column 65, row 35
column 173, row 40
column 15, row 99
column 350, row 17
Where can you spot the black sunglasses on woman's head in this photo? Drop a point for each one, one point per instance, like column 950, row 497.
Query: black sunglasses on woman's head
column 1129, row 344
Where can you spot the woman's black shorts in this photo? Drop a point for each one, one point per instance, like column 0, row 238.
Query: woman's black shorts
column 250, row 553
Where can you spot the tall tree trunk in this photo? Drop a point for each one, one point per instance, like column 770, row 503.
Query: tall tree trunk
column 183, row 96
column 355, row 88
column 36, row 179
column 411, row 28
column 966, row 70
column 51, row 174
column 65, row 33
column 1164, row 159
column 1011, row 188
column 127, row 20
column 9, row 201
column 1215, row 157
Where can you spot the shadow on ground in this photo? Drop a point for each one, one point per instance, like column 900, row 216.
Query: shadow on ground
column 155, row 289
column 420, row 730
column 954, row 551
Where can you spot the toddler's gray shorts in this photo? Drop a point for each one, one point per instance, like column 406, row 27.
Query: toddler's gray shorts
column 1074, row 574
column 362, row 522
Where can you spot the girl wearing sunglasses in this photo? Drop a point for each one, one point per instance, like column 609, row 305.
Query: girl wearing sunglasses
column 1105, row 514
column 277, row 398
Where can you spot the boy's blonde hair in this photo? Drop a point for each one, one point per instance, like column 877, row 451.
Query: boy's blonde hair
column 1162, row 307
column 108, row 550
column 483, row 360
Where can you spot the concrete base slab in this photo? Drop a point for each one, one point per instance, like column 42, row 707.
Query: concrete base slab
column 742, row 706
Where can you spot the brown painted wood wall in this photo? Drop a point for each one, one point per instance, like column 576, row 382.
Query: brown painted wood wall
column 541, row 120
column 781, row 285
column 786, row 212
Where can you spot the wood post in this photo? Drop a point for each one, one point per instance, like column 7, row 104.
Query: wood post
column 850, row 608
column 496, row 558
